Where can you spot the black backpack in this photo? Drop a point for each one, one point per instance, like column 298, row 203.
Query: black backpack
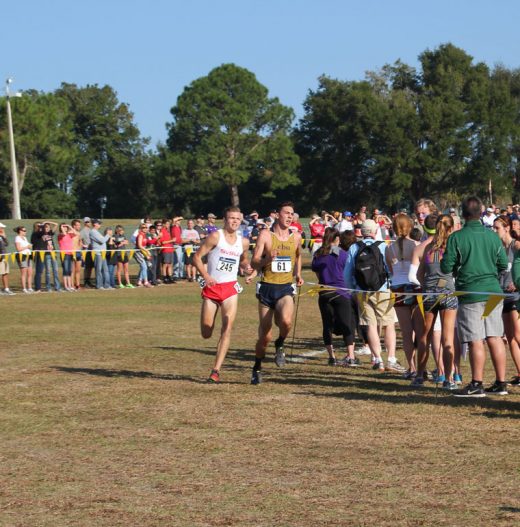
column 369, row 267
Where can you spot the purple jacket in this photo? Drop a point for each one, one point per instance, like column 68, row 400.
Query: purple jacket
column 330, row 268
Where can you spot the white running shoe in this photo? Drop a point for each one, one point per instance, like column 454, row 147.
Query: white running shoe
column 364, row 350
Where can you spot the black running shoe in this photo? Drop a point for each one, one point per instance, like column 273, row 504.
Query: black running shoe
column 256, row 377
column 497, row 388
column 471, row 390
column 515, row 381
column 279, row 357
column 332, row 361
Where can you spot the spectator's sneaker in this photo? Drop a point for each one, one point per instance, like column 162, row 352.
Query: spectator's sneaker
column 332, row 361
column 256, row 377
column 8, row 292
column 515, row 381
column 395, row 367
column 449, row 386
column 364, row 350
column 121, row 286
column 130, row 286
column 470, row 390
column 351, row 363
column 497, row 388
column 457, row 379
column 279, row 357
column 379, row 366
column 418, row 382
column 31, row 290
column 26, row 291
column 214, row 377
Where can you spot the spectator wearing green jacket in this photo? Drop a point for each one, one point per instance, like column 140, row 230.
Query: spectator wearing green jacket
column 475, row 255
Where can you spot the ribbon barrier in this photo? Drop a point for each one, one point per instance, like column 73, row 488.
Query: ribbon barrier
column 493, row 299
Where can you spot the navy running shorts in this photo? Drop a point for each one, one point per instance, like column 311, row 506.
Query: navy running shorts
column 269, row 294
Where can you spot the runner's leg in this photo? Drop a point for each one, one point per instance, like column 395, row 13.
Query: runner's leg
column 228, row 311
column 208, row 314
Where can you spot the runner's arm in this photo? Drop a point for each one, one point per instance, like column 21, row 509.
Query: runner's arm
column 262, row 255
column 298, row 260
column 244, row 262
column 209, row 243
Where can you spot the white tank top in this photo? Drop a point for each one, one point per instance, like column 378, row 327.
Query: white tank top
column 223, row 260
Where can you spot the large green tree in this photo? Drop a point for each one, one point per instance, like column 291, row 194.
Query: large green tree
column 113, row 161
column 45, row 153
column 227, row 132
column 446, row 129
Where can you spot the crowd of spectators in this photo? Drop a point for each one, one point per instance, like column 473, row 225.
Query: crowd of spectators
column 424, row 252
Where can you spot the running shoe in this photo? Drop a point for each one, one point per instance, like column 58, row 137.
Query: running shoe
column 332, row 361
column 379, row 366
column 8, row 292
column 407, row 375
column 279, row 357
column 364, row 350
column 351, row 363
column 449, row 386
column 130, row 286
column 515, row 381
column 497, row 388
column 470, row 390
column 395, row 367
column 418, row 382
column 457, row 379
column 121, row 286
column 214, row 377
column 256, row 377
column 439, row 379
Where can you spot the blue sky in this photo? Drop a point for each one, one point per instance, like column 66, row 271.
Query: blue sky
column 149, row 51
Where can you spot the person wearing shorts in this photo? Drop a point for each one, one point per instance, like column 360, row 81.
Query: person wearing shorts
column 226, row 252
column 4, row 262
column 376, row 310
column 476, row 255
column 435, row 284
column 277, row 256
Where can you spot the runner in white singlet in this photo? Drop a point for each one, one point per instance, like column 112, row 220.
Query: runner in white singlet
column 227, row 252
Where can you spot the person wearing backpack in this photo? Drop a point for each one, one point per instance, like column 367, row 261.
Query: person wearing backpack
column 366, row 271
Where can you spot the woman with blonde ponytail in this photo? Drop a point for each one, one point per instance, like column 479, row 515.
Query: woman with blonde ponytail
column 433, row 280
column 398, row 257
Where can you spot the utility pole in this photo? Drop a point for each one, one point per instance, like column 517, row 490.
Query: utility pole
column 16, row 212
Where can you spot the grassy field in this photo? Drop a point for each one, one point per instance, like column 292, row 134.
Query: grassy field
column 106, row 420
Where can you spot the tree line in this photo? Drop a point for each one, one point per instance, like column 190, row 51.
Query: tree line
column 443, row 130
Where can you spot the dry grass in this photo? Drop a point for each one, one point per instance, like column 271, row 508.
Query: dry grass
column 106, row 420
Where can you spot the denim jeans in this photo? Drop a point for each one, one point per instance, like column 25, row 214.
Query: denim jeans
column 178, row 266
column 112, row 274
column 39, row 265
column 51, row 265
column 67, row 265
column 102, row 276
column 143, row 268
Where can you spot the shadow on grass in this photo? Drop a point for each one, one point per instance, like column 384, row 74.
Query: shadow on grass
column 398, row 394
column 102, row 372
